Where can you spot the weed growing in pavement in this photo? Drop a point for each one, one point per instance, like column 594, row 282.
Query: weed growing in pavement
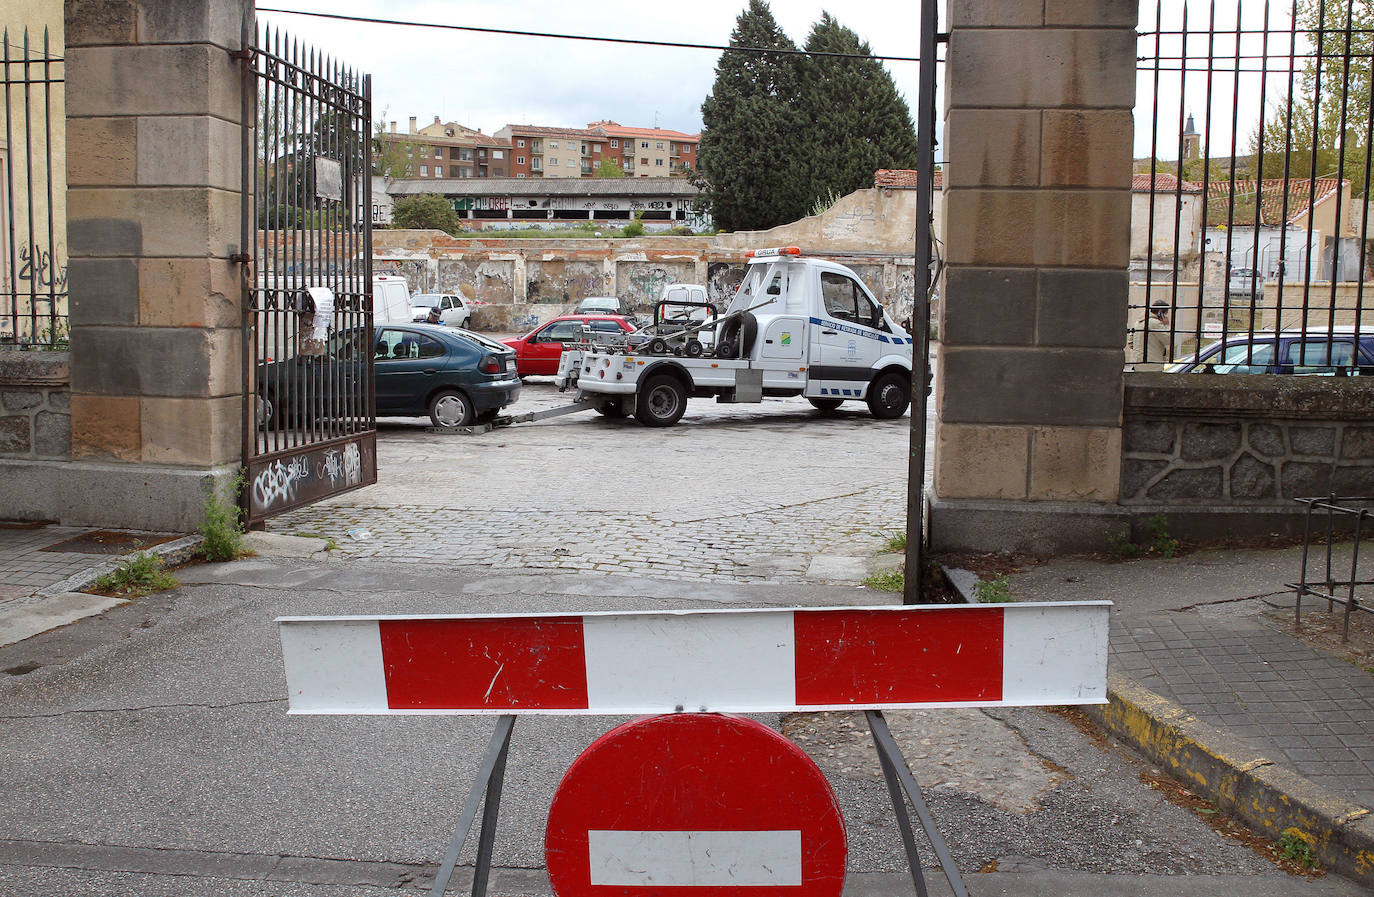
column 895, row 542
column 141, row 574
column 222, row 527
column 1120, row 546
column 886, row 581
column 1296, row 846
column 329, row 543
column 1161, row 543
column 993, row 591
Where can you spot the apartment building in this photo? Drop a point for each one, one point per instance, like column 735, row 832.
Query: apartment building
column 450, row 150
column 650, row 152
column 578, row 152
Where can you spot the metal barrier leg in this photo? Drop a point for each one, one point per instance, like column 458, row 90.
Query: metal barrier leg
column 488, row 781
column 899, row 779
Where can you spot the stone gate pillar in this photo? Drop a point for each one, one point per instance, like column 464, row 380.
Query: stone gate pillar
column 1038, row 135
column 153, row 169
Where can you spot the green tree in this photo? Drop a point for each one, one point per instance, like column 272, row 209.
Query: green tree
column 609, row 168
column 390, row 158
column 753, row 130
column 428, row 210
column 857, row 120
column 1333, row 89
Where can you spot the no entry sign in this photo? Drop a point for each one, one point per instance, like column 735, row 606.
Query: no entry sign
column 671, row 806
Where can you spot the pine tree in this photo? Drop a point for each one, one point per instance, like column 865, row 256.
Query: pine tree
column 857, row 120
column 753, row 131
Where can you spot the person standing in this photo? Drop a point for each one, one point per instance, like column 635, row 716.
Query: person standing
column 1158, row 342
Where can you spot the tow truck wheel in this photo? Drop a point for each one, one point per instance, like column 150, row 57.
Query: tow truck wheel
column 888, row 396
column 826, row 406
column 658, row 346
column 611, row 408
column 694, row 348
column 450, row 408
column 662, row 401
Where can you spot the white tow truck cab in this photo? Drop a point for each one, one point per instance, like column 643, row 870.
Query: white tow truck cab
column 796, row 327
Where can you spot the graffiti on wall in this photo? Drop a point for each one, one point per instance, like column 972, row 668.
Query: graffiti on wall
column 413, row 270
column 722, row 282
column 563, row 282
column 486, row 282
column 639, row 284
column 284, row 483
column 39, row 272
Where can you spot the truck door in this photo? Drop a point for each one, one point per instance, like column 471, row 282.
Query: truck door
column 848, row 338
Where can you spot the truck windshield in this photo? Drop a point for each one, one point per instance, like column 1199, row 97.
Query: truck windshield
column 761, row 283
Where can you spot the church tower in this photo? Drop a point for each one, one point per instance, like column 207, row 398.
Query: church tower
column 1192, row 146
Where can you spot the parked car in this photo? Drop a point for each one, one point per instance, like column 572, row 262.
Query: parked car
column 1287, row 352
column 537, row 352
column 601, row 305
column 454, row 310
column 1245, row 282
column 390, row 299
column 454, row 376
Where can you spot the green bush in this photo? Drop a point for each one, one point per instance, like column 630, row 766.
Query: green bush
column 222, row 528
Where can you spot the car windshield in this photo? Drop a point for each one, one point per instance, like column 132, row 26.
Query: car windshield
column 425, row 300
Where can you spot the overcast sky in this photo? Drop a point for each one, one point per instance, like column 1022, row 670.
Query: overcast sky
column 487, row 81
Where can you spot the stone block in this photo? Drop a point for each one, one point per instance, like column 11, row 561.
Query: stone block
column 997, row 14
column 1092, row 13
column 190, row 150
column 1156, row 436
column 1252, row 478
column 1312, row 440
column 52, row 435
column 20, row 399
column 60, row 399
column 1353, row 481
column 192, row 432
column 1081, row 148
column 1265, row 439
column 192, row 21
column 1136, row 474
column 107, row 156
column 1082, row 308
column 1210, row 441
column 152, row 361
column 1357, row 442
column 40, row 369
column 1188, row 483
column 1304, row 479
column 1082, row 228
column 989, row 227
column 1065, row 387
column 189, row 292
column 16, row 437
column 1075, row 464
column 170, row 79
column 980, row 462
column 168, row 221
column 91, row 22
column 103, row 291
column 1046, row 68
column 139, row 496
column 105, row 427
column 988, row 306
column 995, row 147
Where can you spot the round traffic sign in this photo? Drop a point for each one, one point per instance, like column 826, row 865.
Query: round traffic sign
column 709, row 802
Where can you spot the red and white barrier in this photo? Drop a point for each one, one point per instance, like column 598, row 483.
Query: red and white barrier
column 737, row 661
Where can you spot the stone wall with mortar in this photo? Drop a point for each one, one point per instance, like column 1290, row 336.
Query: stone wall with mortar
column 1245, row 441
column 35, row 408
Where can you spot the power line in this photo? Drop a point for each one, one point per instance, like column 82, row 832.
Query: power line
column 585, row 37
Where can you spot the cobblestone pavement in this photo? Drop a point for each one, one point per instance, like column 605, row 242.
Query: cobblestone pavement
column 747, row 493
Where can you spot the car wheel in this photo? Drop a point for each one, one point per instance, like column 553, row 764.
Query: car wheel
column 826, row 406
column 450, row 408
column 662, row 400
column 694, row 348
column 889, row 396
column 266, row 412
column 611, row 408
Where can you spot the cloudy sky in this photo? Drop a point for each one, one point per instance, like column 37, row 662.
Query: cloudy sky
column 487, row 81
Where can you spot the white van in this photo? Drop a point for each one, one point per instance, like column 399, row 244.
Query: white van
column 390, row 300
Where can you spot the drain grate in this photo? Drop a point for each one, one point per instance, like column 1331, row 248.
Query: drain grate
column 108, row 541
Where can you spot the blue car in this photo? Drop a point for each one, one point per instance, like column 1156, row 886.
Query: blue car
column 1315, row 351
column 454, row 376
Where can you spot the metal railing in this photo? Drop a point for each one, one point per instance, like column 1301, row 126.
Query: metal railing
column 1331, row 522
column 1250, row 212
column 33, row 258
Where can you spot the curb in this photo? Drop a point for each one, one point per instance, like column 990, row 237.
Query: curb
column 1229, row 770
column 178, row 551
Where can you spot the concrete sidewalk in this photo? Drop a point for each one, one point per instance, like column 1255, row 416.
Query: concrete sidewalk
column 1208, row 679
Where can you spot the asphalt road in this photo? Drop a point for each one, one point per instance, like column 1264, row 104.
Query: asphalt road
column 148, row 751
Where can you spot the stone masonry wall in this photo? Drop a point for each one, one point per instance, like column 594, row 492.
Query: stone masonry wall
column 1251, row 441
column 35, row 406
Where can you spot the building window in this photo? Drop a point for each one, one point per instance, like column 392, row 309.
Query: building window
column 553, row 144
column 520, row 174
column 615, row 144
column 643, row 161
column 686, row 148
column 658, row 163
column 424, row 171
column 500, row 172
column 467, row 172
column 438, row 152
column 659, row 145
column 438, row 171
column 519, row 160
column 520, row 142
column 643, row 144
column 553, row 161
column 453, row 152
column 453, row 171
column 498, row 154
column 596, row 147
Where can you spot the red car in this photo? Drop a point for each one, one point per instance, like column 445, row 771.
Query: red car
column 537, row 351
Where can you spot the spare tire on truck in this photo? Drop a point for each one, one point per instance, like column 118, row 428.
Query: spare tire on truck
column 737, row 336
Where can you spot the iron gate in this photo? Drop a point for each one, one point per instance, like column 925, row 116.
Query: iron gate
column 309, row 414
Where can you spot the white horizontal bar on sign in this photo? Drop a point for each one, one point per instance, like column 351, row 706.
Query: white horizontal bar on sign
column 695, row 859
column 1054, row 654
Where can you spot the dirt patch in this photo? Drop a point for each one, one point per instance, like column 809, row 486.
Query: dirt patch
column 992, row 564
column 1322, row 629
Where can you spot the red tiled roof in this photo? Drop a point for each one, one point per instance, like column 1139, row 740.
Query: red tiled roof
column 903, row 178
column 657, row 133
column 1164, row 182
column 1301, row 193
column 531, row 130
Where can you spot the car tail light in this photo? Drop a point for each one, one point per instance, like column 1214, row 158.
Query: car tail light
column 490, row 365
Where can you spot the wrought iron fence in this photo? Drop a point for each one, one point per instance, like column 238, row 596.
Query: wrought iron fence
column 33, row 261
column 1250, row 214
column 1334, row 524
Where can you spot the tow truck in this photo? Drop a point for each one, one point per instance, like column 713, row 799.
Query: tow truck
column 797, row 326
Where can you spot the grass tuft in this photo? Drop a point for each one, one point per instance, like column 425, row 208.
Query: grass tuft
column 141, row 574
